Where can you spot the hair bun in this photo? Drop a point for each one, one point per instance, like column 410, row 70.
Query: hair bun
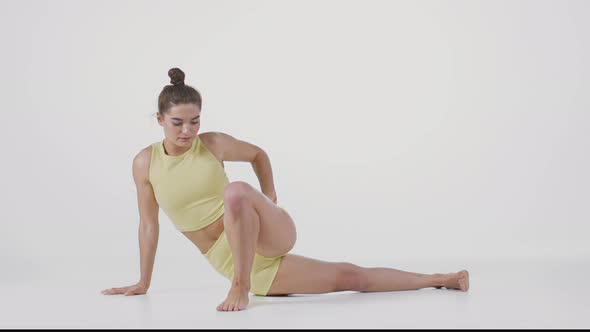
column 176, row 76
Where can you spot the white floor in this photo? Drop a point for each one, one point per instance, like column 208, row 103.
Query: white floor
column 514, row 293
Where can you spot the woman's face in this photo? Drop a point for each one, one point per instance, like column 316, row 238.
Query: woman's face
column 181, row 123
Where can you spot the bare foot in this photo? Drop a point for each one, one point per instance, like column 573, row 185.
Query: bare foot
column 236, row 300
column 459, row 280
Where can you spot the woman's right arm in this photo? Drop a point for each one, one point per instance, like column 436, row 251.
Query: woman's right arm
column 148, row 225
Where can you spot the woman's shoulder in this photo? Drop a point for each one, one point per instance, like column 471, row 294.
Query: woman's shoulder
column 209, row 138
column 144, row 155
column 142, row 160
column 215, row 138
column 211, row 141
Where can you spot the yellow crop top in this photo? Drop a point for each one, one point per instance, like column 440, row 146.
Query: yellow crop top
column 189, row 187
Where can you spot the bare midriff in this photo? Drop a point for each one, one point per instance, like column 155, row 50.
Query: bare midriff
column 205, row 237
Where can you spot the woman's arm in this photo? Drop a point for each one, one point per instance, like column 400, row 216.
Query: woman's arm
column 148, row 243
column 148, row 226
column 233, row 149
column 148, row 216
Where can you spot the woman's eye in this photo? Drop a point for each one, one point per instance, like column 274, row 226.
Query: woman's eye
column 178, row 124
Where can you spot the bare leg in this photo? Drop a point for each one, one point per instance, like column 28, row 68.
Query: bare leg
column 253, row 224
column 242, row 225
column 379, row 279
column 302, row 275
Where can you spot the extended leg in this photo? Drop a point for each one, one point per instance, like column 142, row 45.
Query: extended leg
column 380, row 279
column 302, row 275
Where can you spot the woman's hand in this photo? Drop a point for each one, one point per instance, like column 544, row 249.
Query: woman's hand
column 272, row 196
column 137, row 289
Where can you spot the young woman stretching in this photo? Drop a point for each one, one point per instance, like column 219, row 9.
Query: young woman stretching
column 240, row 230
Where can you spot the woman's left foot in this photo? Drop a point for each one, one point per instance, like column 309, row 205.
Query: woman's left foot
column 236, row 300
column 459, row 280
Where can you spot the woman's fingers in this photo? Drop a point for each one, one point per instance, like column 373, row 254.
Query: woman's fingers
column 129, row 290
column 114, row 290
column 109, row 291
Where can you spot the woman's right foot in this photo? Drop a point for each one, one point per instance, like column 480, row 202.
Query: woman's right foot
column 459, row 280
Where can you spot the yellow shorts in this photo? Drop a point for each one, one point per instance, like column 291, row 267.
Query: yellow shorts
column 264, row 269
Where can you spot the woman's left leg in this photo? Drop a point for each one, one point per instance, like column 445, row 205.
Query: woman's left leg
column 302, row 275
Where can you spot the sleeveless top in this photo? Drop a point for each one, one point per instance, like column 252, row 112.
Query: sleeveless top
column 189, row 187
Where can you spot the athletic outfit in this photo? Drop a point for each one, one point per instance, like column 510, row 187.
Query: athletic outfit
column 189, row 188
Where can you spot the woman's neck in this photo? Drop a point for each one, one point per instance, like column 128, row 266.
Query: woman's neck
column 172, row 149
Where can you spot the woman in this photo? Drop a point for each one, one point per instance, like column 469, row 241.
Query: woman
column 241, row 231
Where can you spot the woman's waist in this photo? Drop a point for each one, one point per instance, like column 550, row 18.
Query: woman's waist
column 205, row 237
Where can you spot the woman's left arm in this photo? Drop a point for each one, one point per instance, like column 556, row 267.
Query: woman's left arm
column 263, row 170
column 233, row 149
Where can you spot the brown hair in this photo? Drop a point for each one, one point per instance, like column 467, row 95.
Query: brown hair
column 177, row 92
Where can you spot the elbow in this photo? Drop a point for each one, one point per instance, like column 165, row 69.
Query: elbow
column 259, row 154
column 149, row 225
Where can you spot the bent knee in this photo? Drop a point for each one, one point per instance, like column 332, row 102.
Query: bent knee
column 235, row 194
column 350, row 277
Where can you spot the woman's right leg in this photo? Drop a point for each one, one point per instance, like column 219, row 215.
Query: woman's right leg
column 303, row 275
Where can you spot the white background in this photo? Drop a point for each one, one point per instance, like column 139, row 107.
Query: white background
column 396, row 130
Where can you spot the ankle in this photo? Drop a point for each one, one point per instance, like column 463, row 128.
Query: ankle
column 439, row 280
column 241, row 283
